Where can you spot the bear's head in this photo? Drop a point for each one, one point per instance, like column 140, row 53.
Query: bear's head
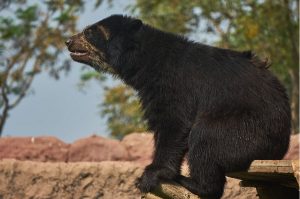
column 102, row 44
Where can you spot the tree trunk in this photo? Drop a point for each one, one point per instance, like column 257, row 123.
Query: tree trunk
column 2, row 122
column 5, row 106
column 294, row 99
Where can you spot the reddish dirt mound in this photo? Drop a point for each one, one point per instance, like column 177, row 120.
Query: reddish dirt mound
column 139, row 147
column 96, row 149
column 34, row 148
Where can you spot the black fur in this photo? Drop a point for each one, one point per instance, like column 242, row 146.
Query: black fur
column 223, row 107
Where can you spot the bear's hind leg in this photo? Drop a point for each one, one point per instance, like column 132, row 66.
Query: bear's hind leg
column 207, row 181
column 207, row 176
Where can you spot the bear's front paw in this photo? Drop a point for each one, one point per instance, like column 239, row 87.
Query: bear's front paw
column 152, row 175
column 148, row 181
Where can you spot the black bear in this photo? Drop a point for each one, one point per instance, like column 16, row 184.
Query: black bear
column 222, row 108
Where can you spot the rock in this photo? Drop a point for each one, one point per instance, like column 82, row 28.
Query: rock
column 96, row 149
column 139, row 147
column 35, row 180
column 293, row 152
column 45, row 149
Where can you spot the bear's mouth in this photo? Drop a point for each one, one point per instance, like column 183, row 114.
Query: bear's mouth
column 83, row 52
column 80, row 55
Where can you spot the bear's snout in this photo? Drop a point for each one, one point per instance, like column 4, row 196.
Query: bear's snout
column 68, row 42
column 76, row 43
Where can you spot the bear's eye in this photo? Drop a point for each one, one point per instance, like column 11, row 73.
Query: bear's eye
column 88, row 33
column 93, row 36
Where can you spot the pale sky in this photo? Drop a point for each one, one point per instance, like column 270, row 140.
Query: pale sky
column 58, row 108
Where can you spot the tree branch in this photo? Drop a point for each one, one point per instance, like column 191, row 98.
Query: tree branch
column 292, row 37
column 27, row 85
column 4, row 114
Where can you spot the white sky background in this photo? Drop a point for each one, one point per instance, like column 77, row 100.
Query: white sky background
column 58, row 108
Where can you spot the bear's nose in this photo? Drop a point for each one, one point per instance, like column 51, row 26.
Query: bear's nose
column 68, row 42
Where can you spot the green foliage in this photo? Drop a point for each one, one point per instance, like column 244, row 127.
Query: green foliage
column 121, row 107
column 1, row 49
column 87, row 76
column 28, row 14
column 173, row 16
column 92, row 75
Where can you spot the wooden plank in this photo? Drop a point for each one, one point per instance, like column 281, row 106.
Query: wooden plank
column 269, row 166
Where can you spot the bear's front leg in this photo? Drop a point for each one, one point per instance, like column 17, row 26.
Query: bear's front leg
column 170, row 148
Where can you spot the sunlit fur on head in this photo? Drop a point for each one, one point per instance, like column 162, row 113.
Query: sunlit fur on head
column 97, row 57
column 105, row 32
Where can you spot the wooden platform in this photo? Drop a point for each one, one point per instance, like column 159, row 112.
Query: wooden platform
column 273, row 179
column 281, row 172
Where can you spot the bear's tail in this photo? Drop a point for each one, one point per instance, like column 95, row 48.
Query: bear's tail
column 255, row 60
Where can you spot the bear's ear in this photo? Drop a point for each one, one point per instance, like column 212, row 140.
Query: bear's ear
column 135, row 25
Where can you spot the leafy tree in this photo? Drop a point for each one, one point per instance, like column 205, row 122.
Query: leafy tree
column 122, row 109
column 32, row 38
